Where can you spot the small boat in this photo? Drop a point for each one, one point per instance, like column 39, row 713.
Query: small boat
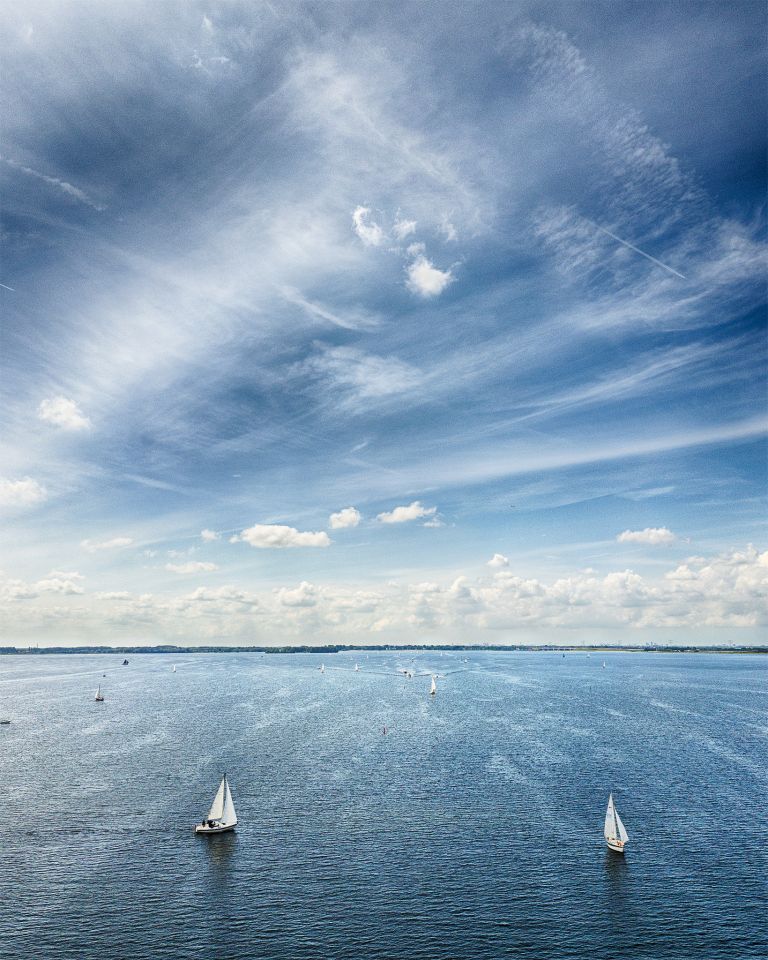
column 4, row 723
column 174, row 668
column 615, row 832
column 125, row 663
column 433, row 689
column 357, row 668
column 99, row 698
column 221, row 817
column 603, row 664
column 321, row 668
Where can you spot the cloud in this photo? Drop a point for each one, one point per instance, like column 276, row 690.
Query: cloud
column 115, row 543
column 348, row 517
column 426, row 279
column 369, row 232
column 403, row 228
column 59, row 585
column 21, row 493
column 498, row 560
column 225, row 595
column 413, row 511
column 305, row 595
column 209, row 535
column 651, row 535
column 278, row 537
column 63, row 413
column 355, row 318
column 193, row 566
column 116, row 595
column 362, row 377
column 74, row 193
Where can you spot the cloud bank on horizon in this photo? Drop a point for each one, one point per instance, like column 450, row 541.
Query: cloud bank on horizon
column 417, row 295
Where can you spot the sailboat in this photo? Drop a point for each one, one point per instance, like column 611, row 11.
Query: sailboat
column 174, row 668
column 322, row 668
column 603, row 664
column 433, row 689
column 221, row 817
column 99, row 695
column 357, row 668
column 615, row 832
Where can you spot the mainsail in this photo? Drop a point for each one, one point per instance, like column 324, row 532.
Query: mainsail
column 228, row 817
column 217, row 807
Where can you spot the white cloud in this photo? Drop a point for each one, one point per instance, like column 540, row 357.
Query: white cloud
column 115, row 543
column 498, row 560
column 348, row 517
column 369, row 232
column 426, row 279
column 21, row 493
column 194, row 566
column 59, row 585
column 66, row 575
column 403, row 228
column 209, row 535
column 63, row 413
column 415, row 249
column 226, row 595
column 267, row 536
column 118, row 595
column 434, row 523
column 651, row 535
column 413, row 511
column 305, row 595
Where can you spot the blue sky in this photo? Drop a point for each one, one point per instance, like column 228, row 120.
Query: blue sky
column 377, row 322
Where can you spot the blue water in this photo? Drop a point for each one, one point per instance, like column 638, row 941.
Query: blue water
column 472, row 829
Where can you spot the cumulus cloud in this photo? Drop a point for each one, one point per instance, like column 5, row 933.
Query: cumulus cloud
column 305, row 595
column 369, row 231
column 115, row 543
column 209, row 536
column 227, row 595
column 425, row 279
column 193, row 566
column 403, row 228
column 21, row 493
column 64, row 413
column 413, row 511
column 275, row 536
column 498, row 560
column 654, row 536
column 348, row 517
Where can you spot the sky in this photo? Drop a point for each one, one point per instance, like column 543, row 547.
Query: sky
column 383, row 322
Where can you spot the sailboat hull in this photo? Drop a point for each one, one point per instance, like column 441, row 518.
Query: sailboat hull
column 616, row 845
column 201, row 828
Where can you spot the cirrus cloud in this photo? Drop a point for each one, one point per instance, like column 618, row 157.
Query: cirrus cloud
column 194, row 566
column 115, row 543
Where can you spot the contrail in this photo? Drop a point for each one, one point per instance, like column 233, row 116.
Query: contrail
column 638, row 250
column 7, row 288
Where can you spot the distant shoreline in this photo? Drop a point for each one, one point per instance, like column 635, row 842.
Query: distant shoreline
column 385, row 648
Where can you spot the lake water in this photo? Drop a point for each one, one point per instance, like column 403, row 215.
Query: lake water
column 472, row 829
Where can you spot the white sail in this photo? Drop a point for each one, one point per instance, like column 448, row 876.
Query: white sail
column 433, row 689
column 217, row 807
column 322, row 668
column 356, row 668
column 623, row 835
column 610, row 820
column 228, row 816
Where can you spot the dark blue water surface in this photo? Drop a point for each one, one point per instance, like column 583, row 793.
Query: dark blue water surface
column 472, row 829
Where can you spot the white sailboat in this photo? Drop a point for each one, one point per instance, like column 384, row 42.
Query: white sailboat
column 433, row 688
column 615, row 832
column 99, row 698
column 221, row 817
column 357, row 668
column 322, row 668
column 174, row 668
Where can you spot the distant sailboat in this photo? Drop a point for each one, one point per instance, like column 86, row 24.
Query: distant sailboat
column 322, row 668
column 615, row 832
column 221, row 817
column 125, row 663
column 433, row 689
column 603, row 664
column 99, row 695
column 357, row 668
column 174, row 668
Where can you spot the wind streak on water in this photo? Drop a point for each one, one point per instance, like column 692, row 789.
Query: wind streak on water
column 472, row 829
